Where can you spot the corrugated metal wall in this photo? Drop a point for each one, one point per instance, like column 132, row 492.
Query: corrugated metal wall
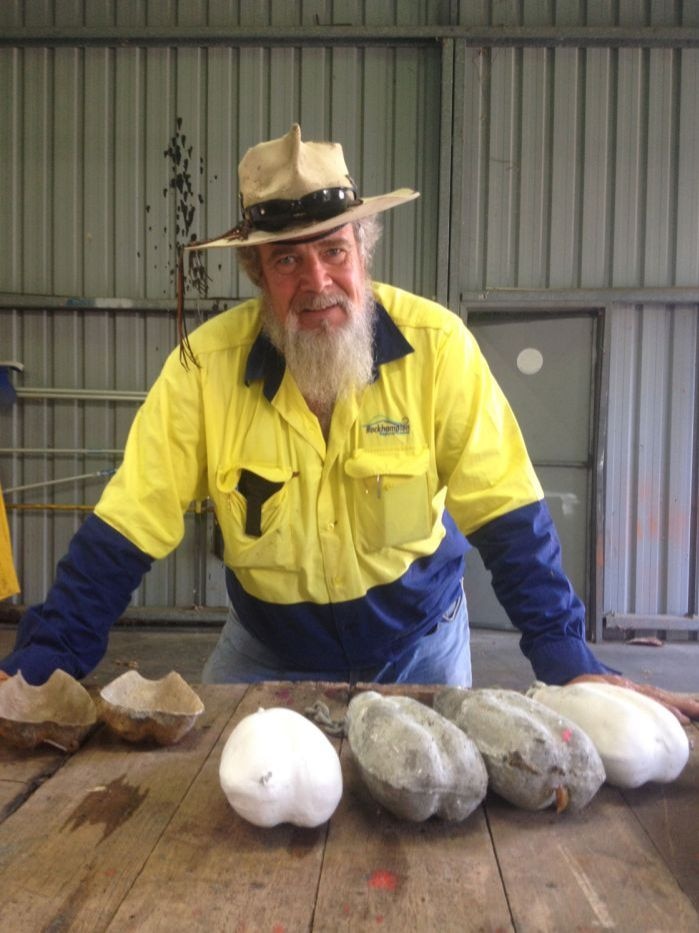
column 651, row 488
column 579, row 178
column 578, row 168
column 569, row 169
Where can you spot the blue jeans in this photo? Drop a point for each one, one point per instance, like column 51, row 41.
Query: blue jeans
column 441, row 657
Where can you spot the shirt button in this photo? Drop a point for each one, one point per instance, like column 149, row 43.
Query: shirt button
column 331, row 526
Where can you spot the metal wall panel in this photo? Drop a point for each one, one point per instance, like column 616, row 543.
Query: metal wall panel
column 651, row 491
column 225, row 13
column 576, row 168
column 687, row 224
column 577, row 12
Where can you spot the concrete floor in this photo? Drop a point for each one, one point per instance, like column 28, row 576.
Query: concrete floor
column 497, row 660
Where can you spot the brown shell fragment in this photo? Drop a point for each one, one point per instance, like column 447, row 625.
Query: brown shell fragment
column 562, row 799
column 59, row 712
column 138, row 709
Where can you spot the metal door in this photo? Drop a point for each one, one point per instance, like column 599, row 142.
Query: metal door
column 546, row 367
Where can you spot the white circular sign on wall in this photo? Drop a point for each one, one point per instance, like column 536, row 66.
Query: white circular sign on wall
column 529, row 361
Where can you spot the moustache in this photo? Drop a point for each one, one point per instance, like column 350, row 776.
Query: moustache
column 319, row 302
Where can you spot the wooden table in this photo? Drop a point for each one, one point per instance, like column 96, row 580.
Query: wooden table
column 125, row 837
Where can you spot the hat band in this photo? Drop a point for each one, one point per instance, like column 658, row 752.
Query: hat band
column 274, row 215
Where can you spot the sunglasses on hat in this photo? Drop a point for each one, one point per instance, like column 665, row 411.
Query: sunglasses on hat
column 317, row 205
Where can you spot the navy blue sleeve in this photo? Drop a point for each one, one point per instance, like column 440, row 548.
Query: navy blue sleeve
column 522, row 551
column 93, row 586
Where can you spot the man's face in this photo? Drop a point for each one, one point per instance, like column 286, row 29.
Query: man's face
column 309, row 284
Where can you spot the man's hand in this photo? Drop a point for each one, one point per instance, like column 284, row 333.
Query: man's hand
column 683, row 706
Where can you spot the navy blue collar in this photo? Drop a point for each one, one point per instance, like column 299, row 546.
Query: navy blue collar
column 266, row 362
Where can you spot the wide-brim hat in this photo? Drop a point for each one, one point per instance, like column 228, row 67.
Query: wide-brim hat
column 290, row 189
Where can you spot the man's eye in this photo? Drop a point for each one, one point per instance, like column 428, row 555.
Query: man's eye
column 285, row 263
column 334, row 255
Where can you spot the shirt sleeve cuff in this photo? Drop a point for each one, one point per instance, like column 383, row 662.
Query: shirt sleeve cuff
column 559, row 661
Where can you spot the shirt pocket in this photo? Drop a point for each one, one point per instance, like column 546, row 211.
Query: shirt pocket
column 390, row 495
column 254, row 515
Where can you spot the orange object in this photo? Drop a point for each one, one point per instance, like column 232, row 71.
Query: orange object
column 9, row 585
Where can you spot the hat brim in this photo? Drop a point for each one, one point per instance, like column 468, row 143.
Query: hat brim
column 369, row 206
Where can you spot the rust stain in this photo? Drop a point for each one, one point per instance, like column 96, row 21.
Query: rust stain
column 599, row 551
column 110, row 805
column 678, row 524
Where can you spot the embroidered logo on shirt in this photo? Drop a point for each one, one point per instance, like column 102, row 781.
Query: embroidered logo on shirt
column 386, row 427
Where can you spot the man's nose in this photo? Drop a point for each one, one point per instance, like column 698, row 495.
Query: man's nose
column 314, row 274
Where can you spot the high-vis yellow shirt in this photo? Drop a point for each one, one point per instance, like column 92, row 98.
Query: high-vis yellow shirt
column 340, row 553
column 336, row 519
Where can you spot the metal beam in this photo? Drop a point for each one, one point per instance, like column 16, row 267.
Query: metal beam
column 487, row 299
column 83, row 395
column 196, row 617
column 18, row 302
column 328, row 35
column 658, row 623
column 554, row 299
column 63, row 451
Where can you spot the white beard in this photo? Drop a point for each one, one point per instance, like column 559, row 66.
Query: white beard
column 326, row 362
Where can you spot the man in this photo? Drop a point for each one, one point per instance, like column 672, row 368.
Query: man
column 351, row 438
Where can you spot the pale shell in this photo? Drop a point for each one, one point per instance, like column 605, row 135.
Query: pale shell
column 59, row 712
column 138, row 709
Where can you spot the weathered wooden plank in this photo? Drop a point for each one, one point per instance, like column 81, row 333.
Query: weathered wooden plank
column 422, row 692
column 593, row 869
column 21, row 770
column 669, row 813
column 10, row 791
column 69, row 855
column 28, row 764
column 380, row 872
column 17, row 783
column 214, row 871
